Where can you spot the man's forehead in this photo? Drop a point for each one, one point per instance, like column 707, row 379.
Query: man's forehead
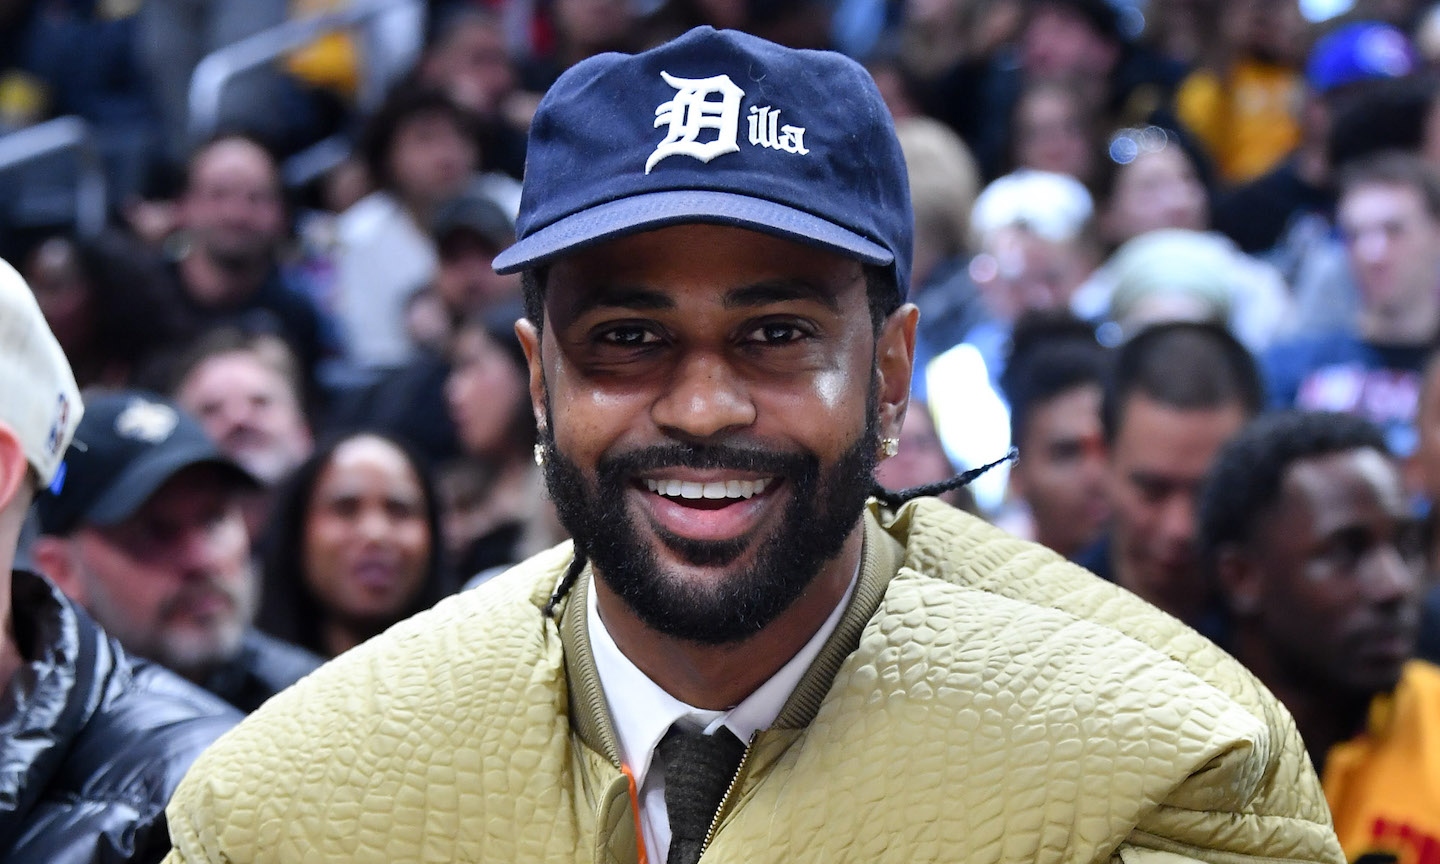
column 235, row 161
column 739, row 264
column 1376, row 200
column 1335, row 477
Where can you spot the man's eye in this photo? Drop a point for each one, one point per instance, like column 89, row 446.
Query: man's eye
column 629, row 337
column 776, row 332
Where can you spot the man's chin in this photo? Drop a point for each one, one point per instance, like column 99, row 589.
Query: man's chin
column 197, row 657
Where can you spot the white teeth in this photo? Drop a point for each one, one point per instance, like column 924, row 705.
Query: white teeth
column 715, row 489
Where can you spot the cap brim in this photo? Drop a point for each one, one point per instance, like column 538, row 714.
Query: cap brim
column 146, row 475
column 658, row 209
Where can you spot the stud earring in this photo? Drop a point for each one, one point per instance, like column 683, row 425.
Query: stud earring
column 540, row 455
column 889, row 446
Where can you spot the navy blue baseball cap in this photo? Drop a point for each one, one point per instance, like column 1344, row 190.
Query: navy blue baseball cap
column 1363, row 51
column 719, row 127
column 128, row 445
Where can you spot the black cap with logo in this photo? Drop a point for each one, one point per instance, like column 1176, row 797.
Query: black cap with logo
column 127, row 446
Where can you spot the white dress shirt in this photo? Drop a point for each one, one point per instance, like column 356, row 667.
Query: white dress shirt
column 643, row 712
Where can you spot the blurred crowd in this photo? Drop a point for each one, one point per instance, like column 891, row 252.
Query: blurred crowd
column 1139, row 226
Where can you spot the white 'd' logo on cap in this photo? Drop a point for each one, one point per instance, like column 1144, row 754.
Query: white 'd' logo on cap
column 150, row 422
column 693, row 111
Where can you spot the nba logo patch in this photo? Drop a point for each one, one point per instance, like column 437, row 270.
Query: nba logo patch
column 56, row 439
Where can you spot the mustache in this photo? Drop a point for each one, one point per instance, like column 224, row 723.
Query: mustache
column 196, row 592
column 705, row 457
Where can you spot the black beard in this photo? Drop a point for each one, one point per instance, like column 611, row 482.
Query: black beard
column 820, row 515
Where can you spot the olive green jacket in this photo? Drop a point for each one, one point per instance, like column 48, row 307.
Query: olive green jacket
column 981, row 700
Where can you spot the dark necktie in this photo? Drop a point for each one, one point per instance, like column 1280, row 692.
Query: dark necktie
column 698, row 771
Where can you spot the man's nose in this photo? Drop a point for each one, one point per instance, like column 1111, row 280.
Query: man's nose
column 198, row 549
column 704, row 397
column 1177, row 518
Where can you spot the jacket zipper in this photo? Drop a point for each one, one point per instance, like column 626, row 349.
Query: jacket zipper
column 729, row 790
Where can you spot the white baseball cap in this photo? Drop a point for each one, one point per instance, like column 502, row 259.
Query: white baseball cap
column 1055, row 206
column 39, row 399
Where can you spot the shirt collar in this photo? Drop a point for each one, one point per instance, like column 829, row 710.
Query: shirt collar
column 643, row 712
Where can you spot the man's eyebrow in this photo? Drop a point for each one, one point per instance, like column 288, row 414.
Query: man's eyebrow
column 780, row 291
column 620, row 297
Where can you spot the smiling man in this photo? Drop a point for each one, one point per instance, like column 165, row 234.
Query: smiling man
column 743, row 655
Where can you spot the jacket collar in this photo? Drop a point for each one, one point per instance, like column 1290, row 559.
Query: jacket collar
column 53, row 694
column 880, row 561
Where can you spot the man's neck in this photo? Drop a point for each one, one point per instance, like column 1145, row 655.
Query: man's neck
column 718, row 677
column 211, row 285
column 1181, row 596
column 1323, row 718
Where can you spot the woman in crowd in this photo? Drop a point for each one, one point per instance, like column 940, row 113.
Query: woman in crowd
column 495, row 507
column 353, row 545
column 1052, row 129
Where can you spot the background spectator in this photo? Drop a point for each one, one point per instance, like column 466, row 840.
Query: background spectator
column 420, row 150
column 354, row 545
column 1306, row 532
column 93, row 742
column 1243, row 105
column 1343, row 64
column 495, row 493
column 1080, row 43
column 467, row 58
column 1034, row 247
column 469, row 231
column 147, row 535
column 943, row 184
column 1055, row 129
column 1177, row 392
column 1173, row 274
column 232, row 219
column 108, row 304
column 1053, row 382
column 248, row 395
column 1389, row 214
column 1150, row 180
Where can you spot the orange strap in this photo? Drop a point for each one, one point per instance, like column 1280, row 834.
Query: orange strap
column 635, row 808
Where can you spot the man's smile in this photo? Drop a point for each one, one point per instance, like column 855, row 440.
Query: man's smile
column 723, row 489
column 708, row 506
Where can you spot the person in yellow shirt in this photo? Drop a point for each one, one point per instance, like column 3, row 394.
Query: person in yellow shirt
column 1307, row 534
column 1246, row 108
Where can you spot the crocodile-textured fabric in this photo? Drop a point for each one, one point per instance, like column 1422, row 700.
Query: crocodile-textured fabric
column 981, row 700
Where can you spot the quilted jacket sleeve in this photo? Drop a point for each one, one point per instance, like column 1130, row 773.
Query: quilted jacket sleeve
column 1256, row 799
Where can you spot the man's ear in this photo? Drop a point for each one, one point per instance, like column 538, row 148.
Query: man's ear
column 895, row 367
column 529, row 337
column 14, row 467
column 1240, row 581
column 55, row 558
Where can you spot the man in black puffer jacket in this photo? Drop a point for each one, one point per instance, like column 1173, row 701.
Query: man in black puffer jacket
column 92, row 743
